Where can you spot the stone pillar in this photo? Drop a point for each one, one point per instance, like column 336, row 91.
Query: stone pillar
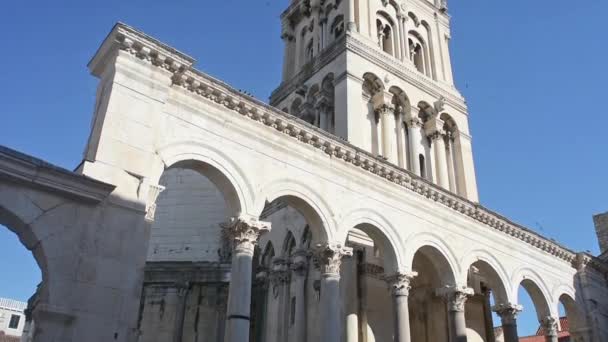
column 328, row 257
column 288, row 38
column 508, row 316
column 456, row 298
column 387, row 121
column 441, row 168
column 351, row 279
column 351, row 25
column 299, row 267
column 413, row 126
column 243, row 232
column 400, row 287
column 280, row 281
column 549, row 324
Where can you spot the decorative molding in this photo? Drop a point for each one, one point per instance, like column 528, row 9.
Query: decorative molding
column 216, row 91
column 244, row 232
column 400, row 283
column 456, row 297
column 328, row 258
column 507, row 312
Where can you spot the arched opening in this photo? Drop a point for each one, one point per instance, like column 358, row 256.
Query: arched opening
column 325, row 104
column 386, row 33
column 402, row 110
column 24, row 273
column 372, row 88
column 337, row 27
column 536, row 311
column 452, row 152
column 488, row 291
column 418, row 52
column 422, row 163
column 287, row 282
column 428, row 311
column 368, row 301
column 189, row 255
column 572, row 320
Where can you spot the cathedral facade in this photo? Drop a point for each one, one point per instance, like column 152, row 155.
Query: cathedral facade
column 346, row 210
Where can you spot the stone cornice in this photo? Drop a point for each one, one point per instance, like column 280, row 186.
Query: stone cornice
column 403, row 71
column 248, row 107
column 18, row 166
column 129, row 39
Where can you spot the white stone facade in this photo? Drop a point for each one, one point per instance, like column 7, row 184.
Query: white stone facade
column 12, row 316
column 357, row 221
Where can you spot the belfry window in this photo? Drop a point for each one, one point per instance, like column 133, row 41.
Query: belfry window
column 309, row 51
column 385, row 37
column 422, row 166
column 337, row 28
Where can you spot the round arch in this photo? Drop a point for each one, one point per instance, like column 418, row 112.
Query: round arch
column 380, row 230
column 536, row 288
column 438, row 251
column 305, row 200
column 490, row 267
column 14, row 220
column 222, row 171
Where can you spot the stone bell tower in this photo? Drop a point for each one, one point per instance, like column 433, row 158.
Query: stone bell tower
column 378, row 74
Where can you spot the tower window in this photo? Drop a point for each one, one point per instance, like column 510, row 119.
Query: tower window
column 385, row 36
column 309, row 51
column 337, row 27
column 14, row 322
column 422, row 166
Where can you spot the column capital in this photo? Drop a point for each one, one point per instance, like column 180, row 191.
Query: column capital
column 508, row 312
column 414, row 122
column 456, row 296
column 400, row 283
column 549, row 323
column 244, row 232
column 384, row 109
column 328, row 257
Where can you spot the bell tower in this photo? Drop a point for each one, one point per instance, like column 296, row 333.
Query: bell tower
column 378, row 74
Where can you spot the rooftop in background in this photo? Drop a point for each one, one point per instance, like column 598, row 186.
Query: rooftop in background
column 11, row 304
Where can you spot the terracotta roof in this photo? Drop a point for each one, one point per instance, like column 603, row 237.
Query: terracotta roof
column 563, row 334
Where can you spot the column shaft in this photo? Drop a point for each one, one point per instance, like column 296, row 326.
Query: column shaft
column 400, row 287
column 244, row 233
column 441, row 168
column 550, row 325
column 328, row 257
column 299, row 267
column 456, row 298
column 415, row 144
column 508, row 316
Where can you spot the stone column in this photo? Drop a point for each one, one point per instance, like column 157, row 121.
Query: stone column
column 351, row 279
column 441, row 167
column 456, row 298
column 351, row 25
column 299, row 267
column 243, row 232
column 387, row 121
column 413, row 126
column 508, row 316
column 406, row 39
column 280, row 280
column 549, row 324
column 400, row 287
column 328, row 257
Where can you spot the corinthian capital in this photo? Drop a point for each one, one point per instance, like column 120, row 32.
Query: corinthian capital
column 456, row 297
column 508, row 312
column 328, row 257
column 400, row 283
column 549, row 323
column 244, row 232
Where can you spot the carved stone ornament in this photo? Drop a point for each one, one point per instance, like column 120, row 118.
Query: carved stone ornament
column 456, row 297
column 244, row 232
column 299, row 261
column 153, row 193
column 507, row 312
column 549, row 323
column 279, row 275
column 328, row 257
column 400, row 283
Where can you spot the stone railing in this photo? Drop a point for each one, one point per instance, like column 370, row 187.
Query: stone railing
column 238, row 103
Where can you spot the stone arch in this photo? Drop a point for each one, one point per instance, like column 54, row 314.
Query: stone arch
column 306, row 201
column 372, row 84
column 449, row 124
column 225, row 173
column 289, row 244
column 533, row 284
column 577, row 324
column 438, row 251
column 426, row 111
column 493, row 270
column 381, row 231
column 12, row 217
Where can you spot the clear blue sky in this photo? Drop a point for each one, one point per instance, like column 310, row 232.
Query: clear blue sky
column 533, row 72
